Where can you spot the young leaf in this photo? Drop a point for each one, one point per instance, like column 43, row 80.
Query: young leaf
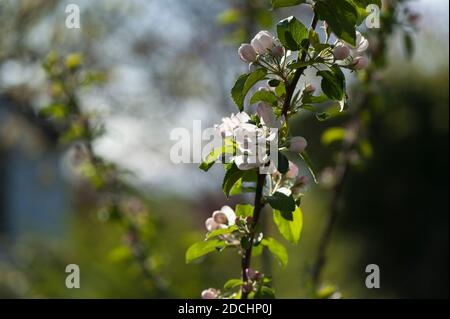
column 232, row 175
column 290, row 225
column 292, row 33
column 233, row 283
column 264, row 96
column 223, row 231
column 227, row 148
column 277, row 249
column 265, row 292
column 341, row 16
column 285, row 3
column 244, row 210
column 243, row 84
column 202, row 248
column 333, row 83
column 282, row 202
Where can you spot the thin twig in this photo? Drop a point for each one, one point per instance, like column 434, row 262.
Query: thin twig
column 290, row 89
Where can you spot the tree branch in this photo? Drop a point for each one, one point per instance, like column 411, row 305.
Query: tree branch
column 290, row 89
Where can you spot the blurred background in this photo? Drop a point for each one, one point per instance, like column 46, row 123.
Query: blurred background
column 161, row 65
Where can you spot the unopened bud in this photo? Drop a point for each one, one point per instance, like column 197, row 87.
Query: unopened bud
column 210, row 293
column 247, row 53
column 298, row 144
column 341, row 51
column 360, row 63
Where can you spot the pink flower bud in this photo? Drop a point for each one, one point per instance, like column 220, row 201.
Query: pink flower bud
column 310, row 89
column 247, row 53
column 293, row 171
column 262, row 42
column 414, row 18
column 360, row 63
column 278, row 51
column 302, row 181
column 253, row 274
column 210, row 293
column 298, row 144
column 341, row 51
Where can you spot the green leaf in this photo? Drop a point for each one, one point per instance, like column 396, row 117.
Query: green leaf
column 227, row 148
column 265, row 292
column 332, row 134
column 224, row 231
column 292, row 33
column 243, row 84
column 290, row 224
column 244, row 210
column 341, row 16
column 285, row 3
column 333, row 83
column 309, row 98
column 233, row 283
column 282, row 202
column 202, row 248
column 274, row 83
column 264, row 96
column 283, row 163
column 364, row 3
column 277, row 249
column 232, row 176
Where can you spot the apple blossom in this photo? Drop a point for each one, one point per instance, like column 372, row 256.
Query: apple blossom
column 210, row 293
column 310, row 89
column 293, row 171
column 298, row 144
column 221, row 219
column 278, row 51
column 341, row 51
column 262, row 42
column 229, row 124
column 247, row 53
column 362, row 44
column 253, row 274
column 360, row 63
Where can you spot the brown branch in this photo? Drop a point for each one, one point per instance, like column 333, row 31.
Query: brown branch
column 290, row 89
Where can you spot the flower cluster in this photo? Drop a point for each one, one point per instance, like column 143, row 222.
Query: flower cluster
column 354, row 54
column 264, row 44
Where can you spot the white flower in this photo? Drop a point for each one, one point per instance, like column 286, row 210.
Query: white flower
column 362, row 44
column 251, row 143
column 210, row 293
column 268, row 118
column 229, row 124
column 247, row 53
column 298, row 144
column 341, row 51
column 221, row 219
column 263, row 42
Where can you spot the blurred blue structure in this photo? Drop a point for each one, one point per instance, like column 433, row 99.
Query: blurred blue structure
column 34, row 196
